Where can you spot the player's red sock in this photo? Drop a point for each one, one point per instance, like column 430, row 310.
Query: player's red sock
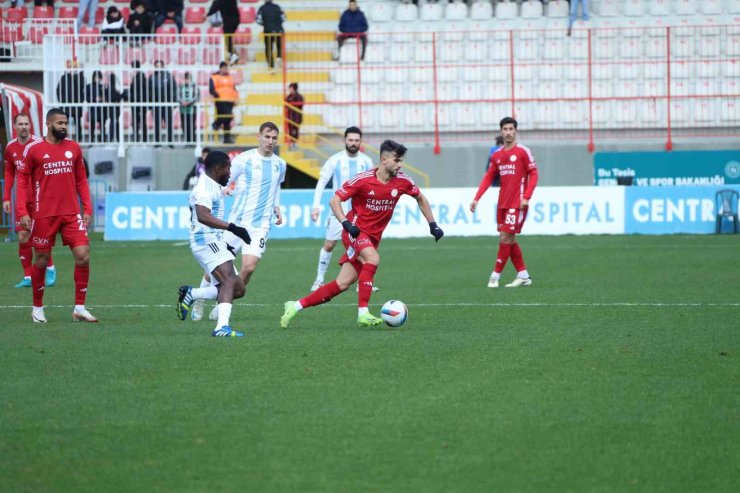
column 38, row 276
column 321, row 295
column 50, row 263
column 504, row 250
column 517, row 258
column 365, row 285
column 81, row 276
column 25, row 253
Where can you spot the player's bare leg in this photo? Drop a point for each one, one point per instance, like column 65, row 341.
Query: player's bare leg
column 370, row 260
column 347, row 277
column 81, row 255
column 324, row 260
column 230, row 287
column 249, row 265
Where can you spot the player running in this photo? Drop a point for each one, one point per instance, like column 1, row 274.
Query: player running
column 13, row 158
column 374, row 195
column 54, row 171
column 338, row 168
column 209, row 248
column 258, row 174
column 515, row 165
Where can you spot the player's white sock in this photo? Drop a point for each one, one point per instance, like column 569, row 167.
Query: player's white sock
column 204, row 283
column 298, row 306
column 362, row 310
column 324, row 260
column 209, row 293
column 495, row 275
column 224, row 312
column 53, row 267
column 523, row 274
column 79, row 308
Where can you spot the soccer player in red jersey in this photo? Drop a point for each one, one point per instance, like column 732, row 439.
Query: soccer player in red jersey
column 374, row 195
column 56, row 177
column 515, row 165
column 13, row 161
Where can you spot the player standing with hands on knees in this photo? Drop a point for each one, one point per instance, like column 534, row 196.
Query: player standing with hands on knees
column 374, row 195
column 56, row 176
column 209, row 248
column 515, row 165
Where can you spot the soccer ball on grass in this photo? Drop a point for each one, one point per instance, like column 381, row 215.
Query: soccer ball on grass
column 394, row 313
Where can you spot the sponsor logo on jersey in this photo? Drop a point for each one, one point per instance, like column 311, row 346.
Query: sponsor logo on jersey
column 68, row 154
column 394, row 192
column 371, row 192
column 46, row 156
column 40, row 241
column 512, row 158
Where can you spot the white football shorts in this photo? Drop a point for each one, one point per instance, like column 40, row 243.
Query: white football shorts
column 211, row 256
column 333, row 229
column 256, row 247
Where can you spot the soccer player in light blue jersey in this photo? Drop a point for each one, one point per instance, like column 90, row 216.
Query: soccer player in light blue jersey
column 338, row 169
column 209, row 248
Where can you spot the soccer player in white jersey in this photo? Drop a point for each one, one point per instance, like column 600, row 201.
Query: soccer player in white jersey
column 209, row 248
column 338, row 169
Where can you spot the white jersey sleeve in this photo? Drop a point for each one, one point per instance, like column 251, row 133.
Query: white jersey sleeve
column 325, row 175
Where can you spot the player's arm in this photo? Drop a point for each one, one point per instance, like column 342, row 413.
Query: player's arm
column 484, row 184
column 22, row 194
column 336, row 207
column 327, row 170
column 276, row 199
column 205, row 217
column 238, row 165
column 532, row 177
column 9, row 178
column 426, row 209
column 83, row 190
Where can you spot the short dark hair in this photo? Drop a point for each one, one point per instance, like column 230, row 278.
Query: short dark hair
column 352, row 130
column 207, row 150
column 392, row 146
column 55, row 112
column 294, row 85
column 499, row 140
column 223, row 64
column 506, row 120
column 269, row 126
column 216, row 159
column 24, row 115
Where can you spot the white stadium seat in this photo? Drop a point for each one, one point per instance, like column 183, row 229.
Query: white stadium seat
column 389, row 116
column 524, row 72
column 375, row 53
column 603, row 48
column 381, row 12
column 685, row 7
column 532, row 9
column 397, row 75
column 336, row 116
column 372, row 75
column 421, row 75
column 472, row 73
column 705, row 111
column 602, row 89
column 342, row 94
column 549, row 90
column 431, row 12
column 709, row 7
column 481, row 9
column 655, row 71
column 681, row 69
column 680, row 88
column 630, row 71
column 679, row 112
column 469, row 91
column 524, row 90
column 577, row 48
column 732, row 43
column 420, row 92
column 506, row 10
column 554, row 49
column 574, row 113
column 601, row 111
column 731, row 68
column 558, row 9
column 682, row 47
column 476, row 51
column 709, row 46
column 478, row 32
column 733, row 6
column 634, row 8
column 706, row 87
column 707, row 69
column 415, row 115
column 456, row 11
column 630, row 48
column 448, row 74
column 655, row 47
column 450, row 51
column 401, row 53
column 393, row 92
column 550, row 71
column 651, row 111
column 603, row 71
column 628, row 89
column 576, row 72
column 498, row 73
column 452, row 31
column 447, row 92
column 730, row 111
column 526, row 50
column 610, row 8
column 344, row 76
column 730, row 87
column 423, row 52
column 444, row 116
column 406, row 12
column 369, row 119
column 625, row 112
column 547, row 114
column 659, row 7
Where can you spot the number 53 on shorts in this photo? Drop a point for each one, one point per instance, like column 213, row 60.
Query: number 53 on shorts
column 511, row 220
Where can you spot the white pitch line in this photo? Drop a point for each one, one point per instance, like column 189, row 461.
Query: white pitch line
column 447, row 305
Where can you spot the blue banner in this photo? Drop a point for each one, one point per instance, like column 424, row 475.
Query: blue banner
column 667, row 169
column 666, row 210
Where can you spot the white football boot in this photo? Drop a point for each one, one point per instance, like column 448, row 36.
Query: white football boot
column 37, row 315
column 83, row 316
column 196, row 312
column 492, row 281
column 519, row 281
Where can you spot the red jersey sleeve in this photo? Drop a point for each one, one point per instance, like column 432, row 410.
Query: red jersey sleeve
column 22, row 193
column 532, row 175
column 409, row 187
column 83, row 187
column 488, row 178
column 349, row 189
column 9, row 175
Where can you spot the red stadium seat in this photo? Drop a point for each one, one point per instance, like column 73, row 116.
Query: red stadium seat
column 249, row 1
column 195, row 15
column 134, row 53
column 247, row 15
column 176, row 123
column 99, row 16
column 214, row 35
column 160, row 53
column 202, row 78
column 67, row 12
column 166, row 35
column 191, row 35
column 89, row 35
column 126, row 114
column 64, row 30
column 211, row 56
column 43, row 12
column 187, row 56
column 125, row 12
column 36, row 34
column 16, row 14
column 243, row 35
column 11, row 32
column 109, row 55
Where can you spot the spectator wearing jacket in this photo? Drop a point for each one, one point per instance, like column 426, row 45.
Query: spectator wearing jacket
column 230, row 15
column 97, row 97
column 353, row 24
column 187, row 97
column 113, row 24
column 71, row 89
column 140, row 21
column 138, row 96
column 223, row 89
column 162, row 90
column 270, row 16
column 168, row 10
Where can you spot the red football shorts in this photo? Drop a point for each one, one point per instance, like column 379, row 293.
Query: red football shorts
column 44, row 231
column 354, row 247
column 511, row 220
column 29, row 208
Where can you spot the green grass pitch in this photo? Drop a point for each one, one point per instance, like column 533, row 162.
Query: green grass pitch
column 618, row 370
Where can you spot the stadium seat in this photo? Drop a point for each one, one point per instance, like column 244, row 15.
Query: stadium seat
column 476, row 51
column 549, row 90
column 211, row 56
column 191, row 35
column 214, row 35
column 415, row 116
column 601, row 113
column 574, row 113
column 532, row 9
column 733, row 6
column 681, row 69
column 43, row 12
column 655, row 47
column 506, row 10
column 577, row 48
column 628, row 88
column 450, row 51
column 431, row 12
column 578, row 72
column 547, row 114
column 705, row 111
column 601, row 89
column 625, row 112
column 67, row 13
column 36, row 34
column 15, row 14
column 680, row 88
column 558, row 9
column 422, row 75
column 610, row 8
column 369, row 119
column 651, row 111
column 472, row 73
column 709, row 46
column 381, row 12
column 389, row 116
column 447, row 91
column 187, row 56
column 551, row 71
column 685, row 7
column 467, row 116
column 99, row 16
column 195, row 15
column 393, row 93
column 659, row 7
column 679, row 112
column 423, row 52
column 399, row 53
column 64, row 30
column 731, row 68
column 554, row 49
column 635, row 8
column 730, row 87
column 603, row 71
column 452, row 31
column 407, row 12
column 125, row 12
column 730, row 111
column 243, row 35
column 525, row 89
column 710, row 7
column 11, row 32
column 134, row 53
column 481, row 10
column 682, row 47
column 603, row 48
column 109, row 55
column 630, row 48
column 166, row 35
column 456, row 11
column 655, row 71
column 706, row 87
column 247, row 15
column 448, row 74
column 527, row 50
column 89, row 35
column 470, row 91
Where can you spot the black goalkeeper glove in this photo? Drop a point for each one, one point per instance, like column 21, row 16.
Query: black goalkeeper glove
column 350, row 228
column 435, row 231
column 240, row 232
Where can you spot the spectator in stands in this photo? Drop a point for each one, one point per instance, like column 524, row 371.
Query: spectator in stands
column 89, row 6
column 138, row 97
column 113, row 24
column 353, row 24
column 223, row 88
column 230, row 15
column 197, row 170
column 574, row 12
column 270, row 16
column 168, row 10
column 499, row 144
column 162, row 92
column 113, row 111
column 294, row 113
column 140, row 21
column 95, row 95
column 188, row 96
column 71, row 89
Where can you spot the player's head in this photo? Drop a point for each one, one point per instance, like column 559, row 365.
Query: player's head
column 391, row 156
column 508, row 129
column 218, row 167
column 352, row 140
column 22, row 125
column 267, row 138
column 56, row 123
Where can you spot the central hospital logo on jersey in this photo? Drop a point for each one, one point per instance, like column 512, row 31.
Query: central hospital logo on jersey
column 512, row 158
column 380, row 204
column 394, row 193
column 507, row 169
column 68, row 154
